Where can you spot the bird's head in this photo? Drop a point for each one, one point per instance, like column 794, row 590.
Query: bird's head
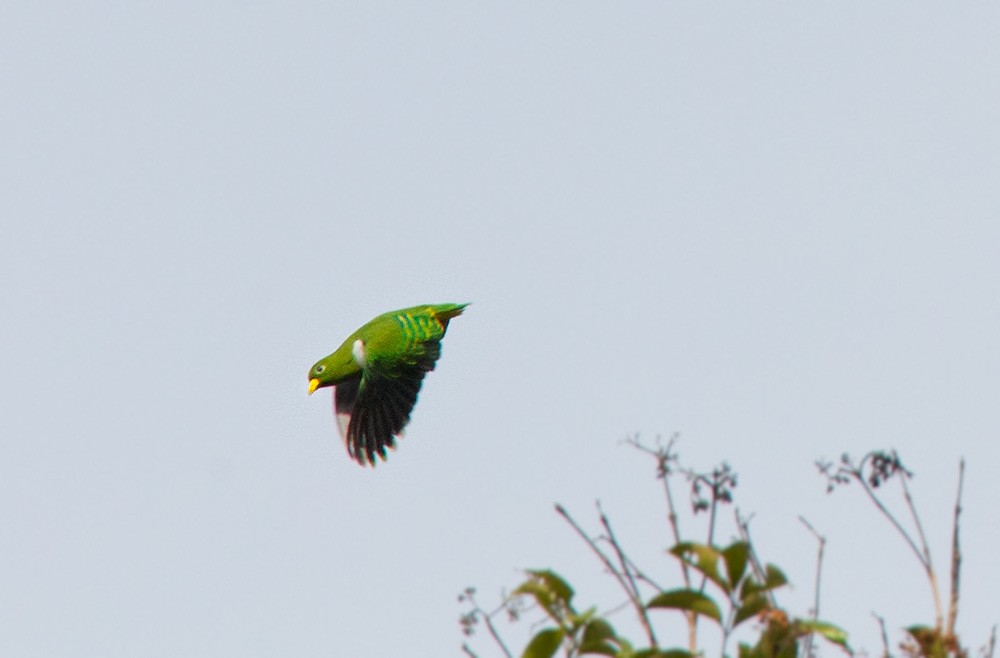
column 320, row 375
column 333, row 369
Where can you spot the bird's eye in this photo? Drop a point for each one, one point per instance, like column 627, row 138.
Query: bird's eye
column 320, row 369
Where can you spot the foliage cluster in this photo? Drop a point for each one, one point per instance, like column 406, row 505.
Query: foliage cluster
column 726, row 586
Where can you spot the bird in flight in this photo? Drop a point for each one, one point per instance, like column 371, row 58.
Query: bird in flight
column 377, row 373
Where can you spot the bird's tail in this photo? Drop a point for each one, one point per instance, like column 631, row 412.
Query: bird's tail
column 445, row 312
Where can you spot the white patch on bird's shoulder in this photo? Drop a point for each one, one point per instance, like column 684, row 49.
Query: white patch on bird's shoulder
column 358, row 352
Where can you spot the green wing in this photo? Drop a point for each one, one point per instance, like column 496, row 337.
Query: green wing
column 373, row 410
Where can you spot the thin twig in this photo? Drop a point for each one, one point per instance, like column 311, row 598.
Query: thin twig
column 641, row 576
column 711, row 512
column 927, row 562
column 672, row 509
column 758, row 568
column 496, row 637
column 819, row 563
column 618, row 608
column 916, row 521
column 885, row 636
column 488, row 619
column 956, row 555
column 624, row 562
column 993, row 643
column 614, row 572
column 713, row 506
column 819, row 572
column 638, row 574
column 664, row 456
column 468, row 652
column 859, row 476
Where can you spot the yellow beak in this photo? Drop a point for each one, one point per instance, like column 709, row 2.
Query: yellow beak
column 313, row 385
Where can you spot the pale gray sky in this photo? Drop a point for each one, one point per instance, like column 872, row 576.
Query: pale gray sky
column 771, row 227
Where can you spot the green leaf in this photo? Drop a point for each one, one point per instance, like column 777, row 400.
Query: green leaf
column 556, row 584
column 551, row 592
column 625, row 647
column 788, row 649
column 773, row 579
column 663, row 653
column 689, row 600
column 598, row 630
column 831, row 633
column 544, row 644
column 600, row 647
column 736, row 556
column 541, row 595
column 578, row 620
column 599, row 637
column 703, row 558
column 752, row 606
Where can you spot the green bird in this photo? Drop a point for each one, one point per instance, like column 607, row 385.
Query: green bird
column 377, row 373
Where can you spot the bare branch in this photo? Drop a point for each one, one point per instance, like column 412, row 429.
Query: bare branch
column 885, row 636
column 618, row 608
column 743, row 525
column 487, row 617
column 625, row 584
column 956, row 555
column 925, row 547
column 642, row 577
column 590, row 542
column 711, row 528
column 637, row 573
column 665, row 457
column 819, row 571
column 859, row 476
column 720, row 483
column 640, row 609
column 989, row 648
column 927, row 562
